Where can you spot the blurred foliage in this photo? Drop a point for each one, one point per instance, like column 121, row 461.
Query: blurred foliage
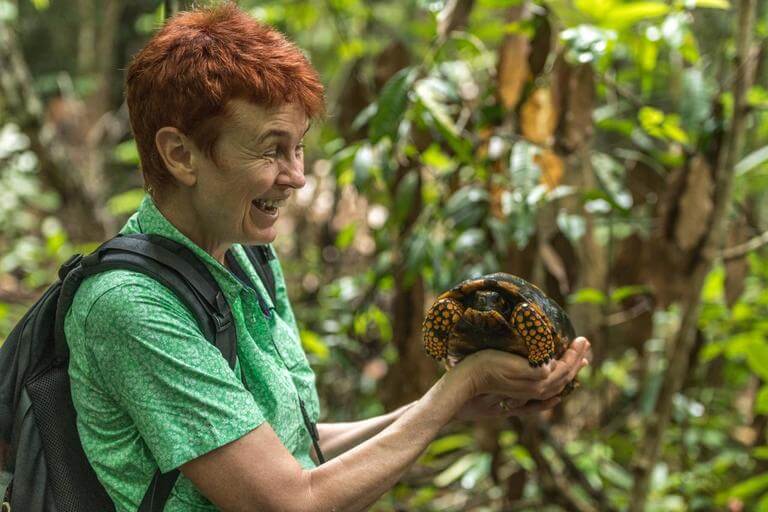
column 419, row 172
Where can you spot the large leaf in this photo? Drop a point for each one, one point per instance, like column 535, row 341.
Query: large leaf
column 711, row 4
column 757, row 357
column 630, row 13
column 432, row 97
column 752, row 161
column 750, row 487
column 458, row 469
column 392, row 104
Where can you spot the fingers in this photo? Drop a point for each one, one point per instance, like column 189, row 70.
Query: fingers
column 566, row 368
column 512, row 365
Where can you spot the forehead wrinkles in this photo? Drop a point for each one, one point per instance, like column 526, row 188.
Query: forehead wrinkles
column 255, row 120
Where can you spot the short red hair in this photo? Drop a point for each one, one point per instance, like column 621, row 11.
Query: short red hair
column 196, row 63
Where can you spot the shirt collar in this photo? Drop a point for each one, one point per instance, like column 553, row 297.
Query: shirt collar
column 149, row 220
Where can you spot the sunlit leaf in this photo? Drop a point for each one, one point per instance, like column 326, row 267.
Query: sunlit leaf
column 632, row 12
column 746, row 489
column 450, row 443
column 626, row 292
column 710, row 4
column 313, row 343
column 757, row 357
column 126, row 153
column 588, row 296
column 346, row 235
column 761, row 401
column 457, row 469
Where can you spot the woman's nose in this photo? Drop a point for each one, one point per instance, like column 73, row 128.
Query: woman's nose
column 292, row 173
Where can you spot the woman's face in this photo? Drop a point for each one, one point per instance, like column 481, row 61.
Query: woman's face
column 259, row 162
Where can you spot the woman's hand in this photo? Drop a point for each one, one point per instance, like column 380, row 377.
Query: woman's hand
column 503, row 384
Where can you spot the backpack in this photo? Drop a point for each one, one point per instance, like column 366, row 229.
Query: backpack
column 50, row 472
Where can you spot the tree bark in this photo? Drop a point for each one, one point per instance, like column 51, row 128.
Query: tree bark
column 649, row 451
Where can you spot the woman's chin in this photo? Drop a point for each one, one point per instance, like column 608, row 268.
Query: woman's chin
column 261, row 236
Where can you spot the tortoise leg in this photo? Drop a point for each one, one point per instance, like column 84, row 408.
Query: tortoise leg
column 438, row 324
column 536, row 333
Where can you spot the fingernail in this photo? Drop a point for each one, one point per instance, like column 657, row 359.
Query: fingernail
column 585, row 361
column 579, row 342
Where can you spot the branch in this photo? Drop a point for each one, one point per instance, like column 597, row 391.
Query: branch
column 737, row 251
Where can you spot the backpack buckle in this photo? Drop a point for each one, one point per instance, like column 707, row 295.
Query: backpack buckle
column 223, row 317
column 66, row 268
column 222, row 321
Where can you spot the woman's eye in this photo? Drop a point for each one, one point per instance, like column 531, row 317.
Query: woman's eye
column 300, row 149
column 270, row 153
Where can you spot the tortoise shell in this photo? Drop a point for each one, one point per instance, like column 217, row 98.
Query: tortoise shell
column 499, row 311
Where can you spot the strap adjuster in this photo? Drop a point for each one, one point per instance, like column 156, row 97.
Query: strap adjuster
column 223, row 316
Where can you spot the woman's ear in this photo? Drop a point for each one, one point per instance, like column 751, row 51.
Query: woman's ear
column 176, row 149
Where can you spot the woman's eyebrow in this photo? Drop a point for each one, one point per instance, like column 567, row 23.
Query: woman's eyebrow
column 276, row 132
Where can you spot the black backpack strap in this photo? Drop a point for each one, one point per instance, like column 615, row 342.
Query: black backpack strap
column 260, row 255
column 168, row 262
column 178, row 269
column 158, row 491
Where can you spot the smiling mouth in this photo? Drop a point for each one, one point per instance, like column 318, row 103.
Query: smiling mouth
column 268, row 206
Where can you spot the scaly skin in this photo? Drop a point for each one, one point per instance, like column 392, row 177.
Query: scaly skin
column 438, row 324
column 535, row 330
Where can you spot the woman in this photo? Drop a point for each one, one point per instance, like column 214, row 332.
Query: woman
column 219, row 105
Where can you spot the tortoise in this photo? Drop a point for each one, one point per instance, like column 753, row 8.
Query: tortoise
column 499, row 311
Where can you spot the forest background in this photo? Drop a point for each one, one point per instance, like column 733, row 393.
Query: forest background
column 615, row 153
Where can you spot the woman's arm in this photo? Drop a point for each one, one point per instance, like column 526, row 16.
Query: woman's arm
column 257, row 472
column 337, row 438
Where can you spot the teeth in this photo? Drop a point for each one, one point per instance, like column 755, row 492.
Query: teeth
column 262, row 203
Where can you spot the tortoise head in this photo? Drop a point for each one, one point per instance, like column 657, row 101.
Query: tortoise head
column 488, row 300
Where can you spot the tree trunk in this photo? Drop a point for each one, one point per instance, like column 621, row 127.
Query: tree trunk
column 648, row 452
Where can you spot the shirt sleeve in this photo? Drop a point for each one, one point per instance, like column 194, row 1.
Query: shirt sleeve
column 180, row 392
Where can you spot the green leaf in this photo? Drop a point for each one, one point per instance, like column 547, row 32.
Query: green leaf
column 435, row 114
column 587, row 296
column 450, row 443
column 761, row 452
column 126, row 153
column 632, row 12
column 346, row 235
column 41, row 5
column 752, row 161
column 392, row 105
column 313, row 343
column 405, row 195
column 757, row 358
column 457, row 469
column 707, row 4
column 125, row 203
column 626, row 292
column 467, row 206
column 469, row 240
column 363, row 164
column 746, row 489
column 761, row 400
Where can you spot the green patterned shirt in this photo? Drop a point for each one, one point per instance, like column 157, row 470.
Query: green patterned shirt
column 151, row 391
